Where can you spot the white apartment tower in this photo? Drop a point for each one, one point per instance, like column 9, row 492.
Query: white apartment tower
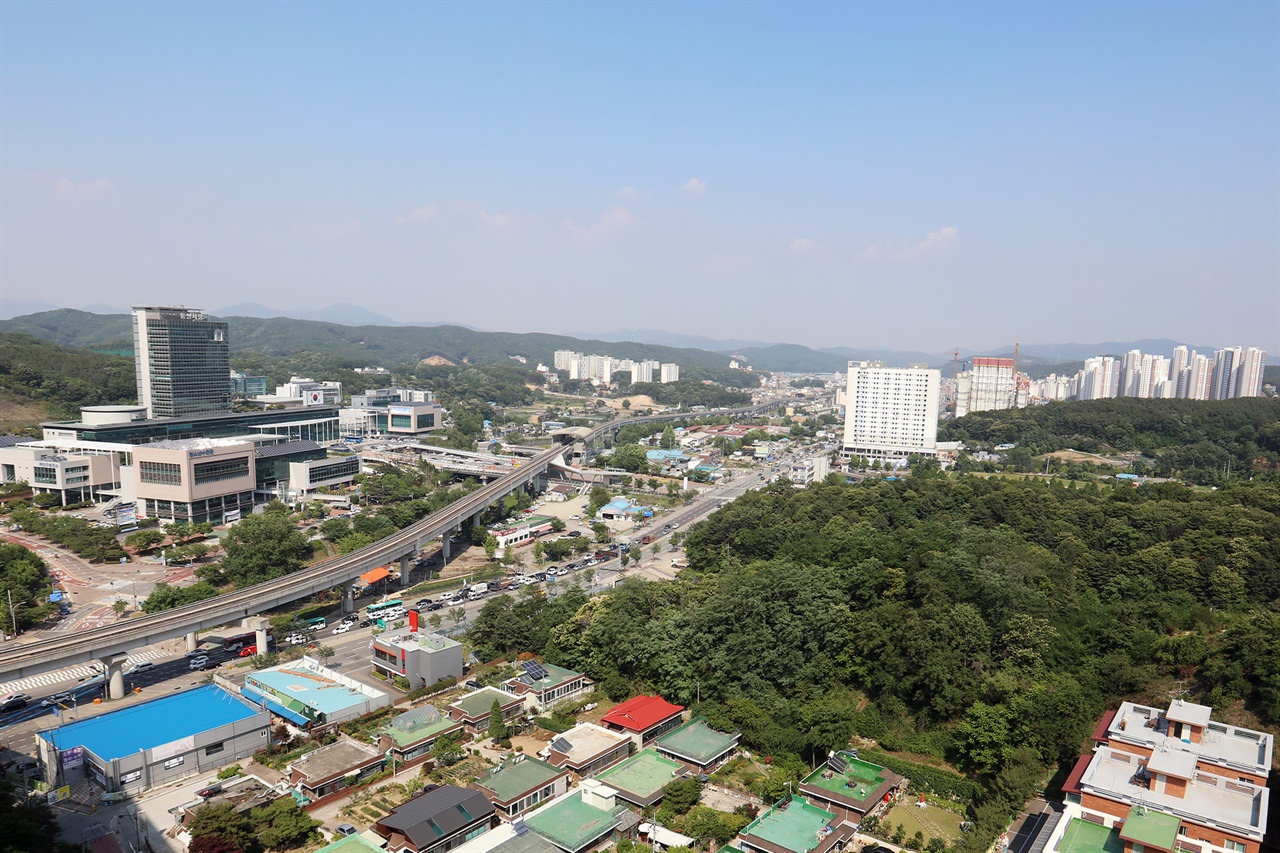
column 1249, row 376
column 670, row 373
column 891, row 412
column 182, row 361
column 1226, row 363
column 641, row 371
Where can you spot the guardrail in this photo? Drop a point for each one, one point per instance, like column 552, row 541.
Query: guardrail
column 123, row 636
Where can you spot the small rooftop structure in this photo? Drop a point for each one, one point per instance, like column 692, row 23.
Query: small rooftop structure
column 644, row 715
column 316, row 770
column 587, row 748
column 476, row 705
column 641, row 778
column 790, row 825
column 418, row 725
column 849, row 782
column 436, row 820
column 579, row 819
column 1151, row 829
column 1188, row 727
column 697, row 744
column 518, row 783
column 307, row 693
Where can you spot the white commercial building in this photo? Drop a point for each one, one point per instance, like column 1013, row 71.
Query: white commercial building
column 891, row 412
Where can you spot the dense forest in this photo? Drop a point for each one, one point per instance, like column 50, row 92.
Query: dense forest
column 983, row 621
column 60, row 378
column 1203, row 442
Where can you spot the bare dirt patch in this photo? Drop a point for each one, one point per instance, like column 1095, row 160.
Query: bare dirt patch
column 638, row 401
column 437, row 361
column 21, row 413
column 1080, row 456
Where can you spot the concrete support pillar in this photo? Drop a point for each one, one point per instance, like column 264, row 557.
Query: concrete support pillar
column 259, row 626
column 405, row 563
column 113, row 669
column 192, row 641
column 445, row 546
column 349, row 597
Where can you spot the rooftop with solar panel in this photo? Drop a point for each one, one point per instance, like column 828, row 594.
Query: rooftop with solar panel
column 587, row 748
column 848, row 781
column 546, row 683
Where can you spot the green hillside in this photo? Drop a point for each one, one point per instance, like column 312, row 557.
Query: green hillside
column 39, row 379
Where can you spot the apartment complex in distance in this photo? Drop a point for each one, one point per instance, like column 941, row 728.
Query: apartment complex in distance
column 1167, row 780
column 1228, row 373
column 891, row 412
column 183, row 362
column 603, row 368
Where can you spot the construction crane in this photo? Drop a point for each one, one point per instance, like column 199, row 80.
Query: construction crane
column 955, row 362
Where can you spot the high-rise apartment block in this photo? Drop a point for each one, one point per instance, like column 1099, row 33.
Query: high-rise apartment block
column 891, row 412
column 670, row 373
column 989, row 384
column 182, row 360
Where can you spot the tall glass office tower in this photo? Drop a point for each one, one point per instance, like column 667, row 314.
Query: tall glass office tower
column 182, row 360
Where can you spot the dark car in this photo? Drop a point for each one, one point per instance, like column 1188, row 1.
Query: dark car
column 575, row 533
column 364, row 623
column 15, row 704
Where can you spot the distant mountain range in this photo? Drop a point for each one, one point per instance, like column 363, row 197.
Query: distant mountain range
column 357, row 337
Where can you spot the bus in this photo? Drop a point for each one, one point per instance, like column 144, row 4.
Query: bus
column 314, row 624
column 239, row 641
column 385, row 610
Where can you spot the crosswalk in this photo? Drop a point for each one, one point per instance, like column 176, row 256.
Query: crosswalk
column 48, row 679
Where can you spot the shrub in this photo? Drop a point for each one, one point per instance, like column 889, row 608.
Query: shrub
column 228, row 772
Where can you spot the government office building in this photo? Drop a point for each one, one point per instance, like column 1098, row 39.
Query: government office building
column 183, row 362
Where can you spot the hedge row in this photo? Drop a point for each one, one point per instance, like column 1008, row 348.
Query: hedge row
column 944, row 783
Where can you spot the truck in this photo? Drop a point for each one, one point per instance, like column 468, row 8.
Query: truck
column 477, row 591
column 679, row 563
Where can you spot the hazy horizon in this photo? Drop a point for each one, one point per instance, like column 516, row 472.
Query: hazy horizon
column 905, row 176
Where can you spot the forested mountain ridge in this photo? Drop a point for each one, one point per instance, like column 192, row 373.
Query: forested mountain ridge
column 359, row 346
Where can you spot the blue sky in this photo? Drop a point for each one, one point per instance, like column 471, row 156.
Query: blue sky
column 909, row 175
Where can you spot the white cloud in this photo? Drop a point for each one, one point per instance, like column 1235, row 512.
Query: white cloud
column 693, row 187
column 614, row 219
column 62, row 184
column 942, row 240
column 419, row 214
column 498, row 221
column 800, row 245
column 628, row 192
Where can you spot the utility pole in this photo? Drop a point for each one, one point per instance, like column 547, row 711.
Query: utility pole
column 13, row 614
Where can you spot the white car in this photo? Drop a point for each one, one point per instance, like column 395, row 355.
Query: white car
column 140, row 666
column 575, row 518
column 198, row 663
column 343, row 628
column 297, row 640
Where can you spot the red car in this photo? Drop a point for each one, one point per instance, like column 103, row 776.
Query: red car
column 248, row 651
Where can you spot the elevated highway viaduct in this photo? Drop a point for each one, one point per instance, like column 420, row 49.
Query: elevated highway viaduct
column 111, row 644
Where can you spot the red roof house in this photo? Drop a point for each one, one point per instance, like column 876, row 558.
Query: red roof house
column 644, row 718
